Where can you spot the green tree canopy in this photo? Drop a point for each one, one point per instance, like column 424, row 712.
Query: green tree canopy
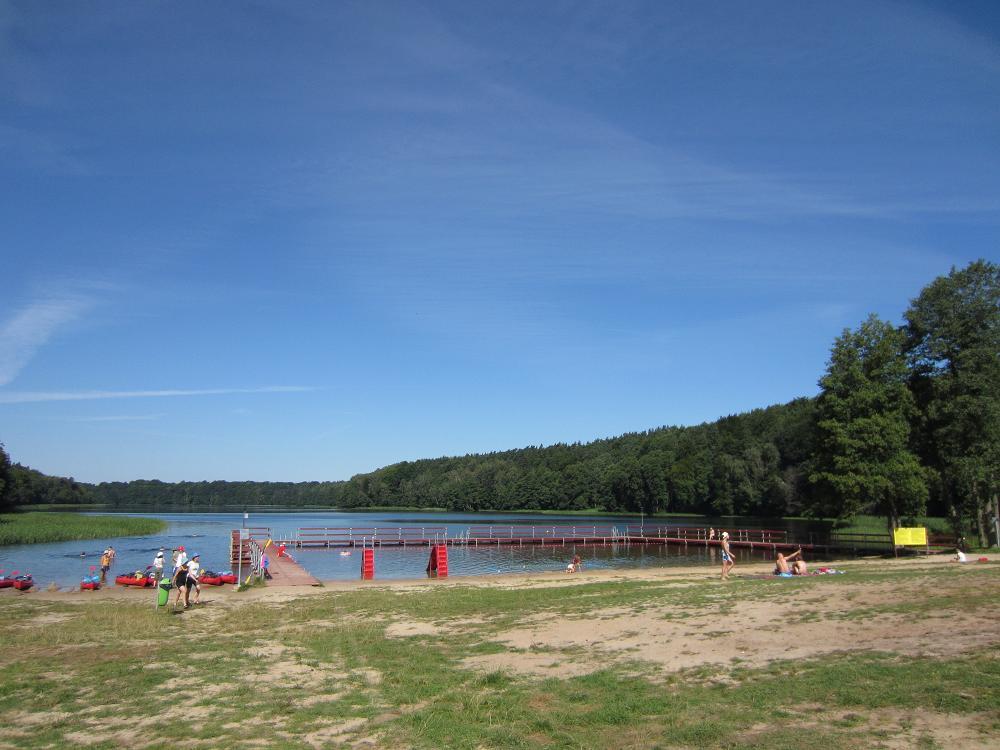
column 5, row 485
column 862, row 461
column 953, row 331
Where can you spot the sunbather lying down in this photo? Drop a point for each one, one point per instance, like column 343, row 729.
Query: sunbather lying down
column 792, row 563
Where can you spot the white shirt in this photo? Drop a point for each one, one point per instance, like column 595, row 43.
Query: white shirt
column 181, row 559
column 158, row 561
column 194, row 568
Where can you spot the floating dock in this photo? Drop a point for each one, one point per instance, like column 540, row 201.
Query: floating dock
column 775, row 540
column 249, row 544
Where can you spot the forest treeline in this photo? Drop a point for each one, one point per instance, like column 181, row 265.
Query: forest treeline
column 20, row 485
column 744, row 464
column 907, row 422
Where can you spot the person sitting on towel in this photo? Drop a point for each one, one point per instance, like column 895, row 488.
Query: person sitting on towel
column 790, row 564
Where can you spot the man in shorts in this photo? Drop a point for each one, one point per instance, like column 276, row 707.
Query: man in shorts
column 792, row 564
column 105, row 565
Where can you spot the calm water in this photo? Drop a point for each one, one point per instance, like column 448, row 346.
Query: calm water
column 208, row 533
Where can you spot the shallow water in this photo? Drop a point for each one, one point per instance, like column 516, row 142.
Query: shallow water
column 208, row 533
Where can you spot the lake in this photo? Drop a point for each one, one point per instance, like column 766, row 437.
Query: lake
column 208, row 533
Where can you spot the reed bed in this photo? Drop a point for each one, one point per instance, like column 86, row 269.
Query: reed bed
column 32, row 528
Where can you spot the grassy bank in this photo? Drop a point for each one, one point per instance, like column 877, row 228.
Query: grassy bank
column 877, row 525
column 400, row 668
column 31, row 528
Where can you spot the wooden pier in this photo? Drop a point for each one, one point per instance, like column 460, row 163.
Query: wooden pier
column 248, row 544
column 246, row 547
column 774, row 540
column 286, row 572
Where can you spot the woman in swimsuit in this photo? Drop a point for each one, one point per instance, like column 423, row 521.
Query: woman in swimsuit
column 180, row 582
column 728, row 563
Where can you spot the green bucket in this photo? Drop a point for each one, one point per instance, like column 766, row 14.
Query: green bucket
column 163, row 593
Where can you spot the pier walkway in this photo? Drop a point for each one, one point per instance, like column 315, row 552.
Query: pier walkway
column 245, row 553
column 286, row 572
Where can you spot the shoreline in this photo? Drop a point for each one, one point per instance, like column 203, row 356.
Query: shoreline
column 543, row 579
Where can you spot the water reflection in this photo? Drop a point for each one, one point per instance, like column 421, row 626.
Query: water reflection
column 396, row 563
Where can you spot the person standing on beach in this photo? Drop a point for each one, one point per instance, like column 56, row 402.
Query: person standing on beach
column 183, row 586
column 728, row 563
column 194, row 573
column 105, row 565
column 158, row 566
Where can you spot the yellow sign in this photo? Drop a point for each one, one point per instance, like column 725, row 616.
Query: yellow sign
column 910, row 537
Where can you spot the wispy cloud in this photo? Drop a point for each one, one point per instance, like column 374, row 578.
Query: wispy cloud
column 25, row 397
column 122, row 418
column 28, row 330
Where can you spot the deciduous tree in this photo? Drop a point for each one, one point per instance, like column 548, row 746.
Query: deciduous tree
column 953, row 330
column 863, row 462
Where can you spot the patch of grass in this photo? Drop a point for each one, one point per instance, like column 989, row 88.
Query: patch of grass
column 35, row 527
column 877, row 524
column 274, row 671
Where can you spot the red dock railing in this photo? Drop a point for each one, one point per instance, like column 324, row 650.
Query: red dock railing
column 528, row 534
column 362, row 536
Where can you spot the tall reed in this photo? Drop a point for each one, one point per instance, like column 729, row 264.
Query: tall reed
column 30, row 528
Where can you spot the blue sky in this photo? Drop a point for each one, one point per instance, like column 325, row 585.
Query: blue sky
column 301, row 240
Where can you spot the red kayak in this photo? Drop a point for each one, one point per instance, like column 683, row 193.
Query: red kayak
column 229, row 578
column 23, row 583
column 211, row 580
column 6, row 583
column 89, row 585
column 131, row 580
